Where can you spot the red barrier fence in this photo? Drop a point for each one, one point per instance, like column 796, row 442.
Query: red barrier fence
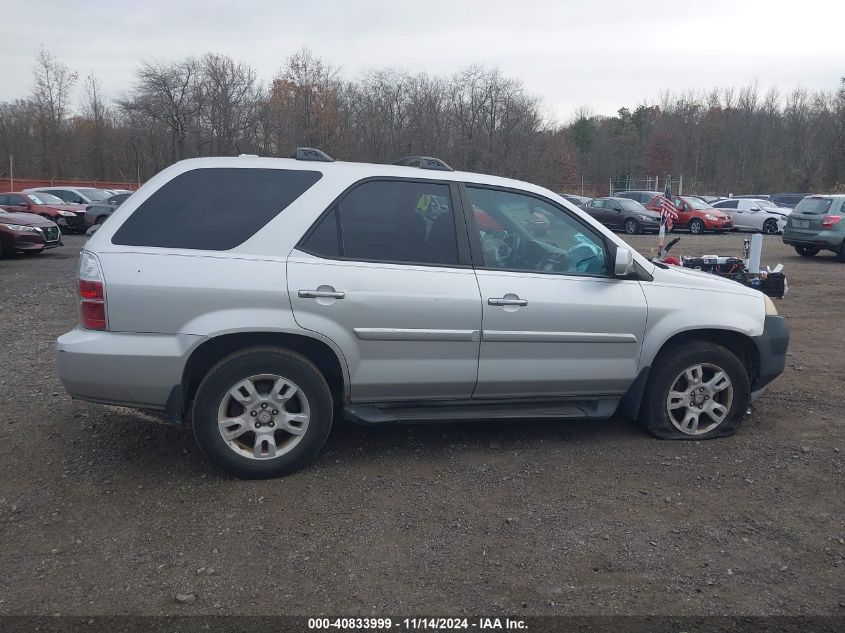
column 28, row 183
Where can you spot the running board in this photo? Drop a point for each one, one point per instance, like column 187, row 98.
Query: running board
column 452, row 411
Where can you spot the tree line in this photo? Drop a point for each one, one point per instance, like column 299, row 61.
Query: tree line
column 737, row 140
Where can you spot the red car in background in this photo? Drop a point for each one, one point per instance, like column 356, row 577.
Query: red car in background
column 27, row 233
column 695, row 215
column 70, row 217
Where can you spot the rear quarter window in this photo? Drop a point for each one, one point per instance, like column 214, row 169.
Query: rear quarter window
column 214, row 208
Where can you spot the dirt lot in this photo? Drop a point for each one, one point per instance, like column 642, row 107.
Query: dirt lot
column 104, row 511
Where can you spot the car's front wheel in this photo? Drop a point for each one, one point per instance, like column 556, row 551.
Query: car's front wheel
column 696, row 226
column 807, row 251
column 632, row 227
column 262, row 412
column 770, row 226
column 697, row 390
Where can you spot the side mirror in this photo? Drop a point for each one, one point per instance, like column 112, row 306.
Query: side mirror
column 624, row 264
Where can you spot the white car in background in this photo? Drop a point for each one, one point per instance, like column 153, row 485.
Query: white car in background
column 754, row 214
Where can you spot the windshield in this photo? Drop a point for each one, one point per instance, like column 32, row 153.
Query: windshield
column 44, row 198
column 697, row 203
column 813, row 206
column 631, row 205
column 95, row 194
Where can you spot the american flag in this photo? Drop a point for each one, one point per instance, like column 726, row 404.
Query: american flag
column 668, row 212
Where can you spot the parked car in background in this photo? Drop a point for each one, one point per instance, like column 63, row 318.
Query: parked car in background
column 623, row 214
column 817, row 223
column 74, row 195
column 338, row 292
column 70, row 217
column 27, row 233
column 696, row 215
column 754, row 215
column 643, row 197
column 578, row 201
column 787, row 199
column 98, row 212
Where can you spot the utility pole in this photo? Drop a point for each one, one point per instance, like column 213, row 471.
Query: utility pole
column 11, row 172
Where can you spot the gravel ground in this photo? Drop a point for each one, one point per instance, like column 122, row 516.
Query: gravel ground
column 105, row 511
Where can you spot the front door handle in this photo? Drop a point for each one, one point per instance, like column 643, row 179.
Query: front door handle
column 321, row 294
column 507, row 301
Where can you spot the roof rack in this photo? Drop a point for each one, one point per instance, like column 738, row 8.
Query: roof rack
column 423, row 162
column 309, row 153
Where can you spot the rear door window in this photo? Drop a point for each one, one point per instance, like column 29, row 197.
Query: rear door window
column 729, row 204
column 213, row 209
column 391, row 221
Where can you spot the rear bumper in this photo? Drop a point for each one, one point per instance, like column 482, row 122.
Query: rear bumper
column 771, row 346
column 822, row 240
column 134, row 370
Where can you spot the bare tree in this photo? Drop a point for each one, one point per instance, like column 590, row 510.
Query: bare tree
column 51, row 94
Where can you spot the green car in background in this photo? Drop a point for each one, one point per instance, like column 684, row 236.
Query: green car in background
column 817, row 224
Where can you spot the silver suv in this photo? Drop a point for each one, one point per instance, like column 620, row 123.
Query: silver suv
column 257, row 299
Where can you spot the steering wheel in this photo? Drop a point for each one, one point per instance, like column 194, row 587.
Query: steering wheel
column 507, row 246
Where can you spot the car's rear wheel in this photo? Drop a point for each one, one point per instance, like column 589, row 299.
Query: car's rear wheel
column 697, row 390
column 263, row 412
column 696, row 226
column 632, row 227
column 101, row 219
column 841, row 253
column 807, row 251
column 770, row 226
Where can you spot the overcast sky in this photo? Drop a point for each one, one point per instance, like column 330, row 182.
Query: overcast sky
column 599, row 53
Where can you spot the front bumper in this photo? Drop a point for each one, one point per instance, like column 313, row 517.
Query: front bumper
column 134, row 370
column 29, row 242
column 771, row 347
column 68, row 224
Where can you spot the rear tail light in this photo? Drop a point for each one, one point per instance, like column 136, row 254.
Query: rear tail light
column 829, row 220
column 92, row 293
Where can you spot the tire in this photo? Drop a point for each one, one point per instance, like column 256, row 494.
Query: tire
column 305, row 397
column 100, row 219
column 807, row 251
column 841, row 253
column 696, row 226
column 2, row 250
column 671, row 373
column 770, row 226
column 632, row 227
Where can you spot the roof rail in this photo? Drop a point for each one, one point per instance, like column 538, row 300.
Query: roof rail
column 423, row 162
column 309, row 153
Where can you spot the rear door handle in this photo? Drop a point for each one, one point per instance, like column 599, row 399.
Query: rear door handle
column 321, row 294
column 502, row 301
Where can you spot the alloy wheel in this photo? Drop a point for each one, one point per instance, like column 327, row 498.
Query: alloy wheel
column 699, row 399
column 263, row 416
column 631, row 226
